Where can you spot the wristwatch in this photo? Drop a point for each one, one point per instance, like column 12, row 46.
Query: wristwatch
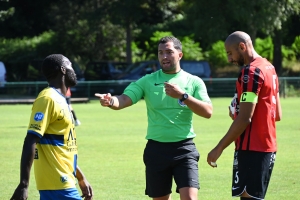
column 184, row 97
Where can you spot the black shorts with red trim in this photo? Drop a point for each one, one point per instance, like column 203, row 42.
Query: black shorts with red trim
column 252, row 172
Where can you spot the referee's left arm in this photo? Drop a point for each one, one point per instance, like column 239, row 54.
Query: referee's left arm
column 199, row 107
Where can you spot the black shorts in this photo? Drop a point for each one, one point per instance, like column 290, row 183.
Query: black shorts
column 164, row 161
column 252, row 172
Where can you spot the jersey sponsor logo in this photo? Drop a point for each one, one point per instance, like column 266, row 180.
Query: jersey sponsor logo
column 181, row 103
column 61, row 115
column 35, row 126
column 270, row 67
column 246, row 79
column 36, row 154
column 63, row 179
column 235, row 160
column 235, row 163
column 71, row 142
column 38, row 116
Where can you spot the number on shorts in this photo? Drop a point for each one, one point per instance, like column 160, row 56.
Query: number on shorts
column 236, row 180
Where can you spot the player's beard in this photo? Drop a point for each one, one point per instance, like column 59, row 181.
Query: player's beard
column 70, row 78
column 241, row 61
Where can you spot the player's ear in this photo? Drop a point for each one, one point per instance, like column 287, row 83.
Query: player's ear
column 63, row 69
column 242, row 46
column 180, row 55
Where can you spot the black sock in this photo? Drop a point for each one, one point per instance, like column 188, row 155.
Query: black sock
column 245, row 198
column 75, row 118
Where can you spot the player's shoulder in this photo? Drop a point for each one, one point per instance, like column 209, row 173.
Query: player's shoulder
column 191, row 77
column 261, row 64
column 49, row 95
column 193, row 80
column 151, row 75
column 46, row 92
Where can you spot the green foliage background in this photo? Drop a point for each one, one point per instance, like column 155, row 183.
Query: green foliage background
column 128, row 31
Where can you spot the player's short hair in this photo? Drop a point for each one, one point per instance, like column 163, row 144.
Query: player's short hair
column 176, row 41
column 52, row 65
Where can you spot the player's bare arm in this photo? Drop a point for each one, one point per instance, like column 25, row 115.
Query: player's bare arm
column 114, row 102
column 86, row 188
column 200, row 108
column 236, row 129
column 278, row 108
column 27, row 157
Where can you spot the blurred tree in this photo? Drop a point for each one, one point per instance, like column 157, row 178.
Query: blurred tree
column 5, row 10
column 132, row 14
column 107, row 30
column 207, row 20
column 291, row 29
column 285, row 10
column 215, row 19
column 217, row 55
column 24, row 18
column 83, row 29
column 18, row 53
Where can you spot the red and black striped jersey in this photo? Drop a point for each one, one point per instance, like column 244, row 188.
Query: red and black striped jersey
column 260, row 78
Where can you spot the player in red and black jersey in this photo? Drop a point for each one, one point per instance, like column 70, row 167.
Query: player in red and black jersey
column 253, row 129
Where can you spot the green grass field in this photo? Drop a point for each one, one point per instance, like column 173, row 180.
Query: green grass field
column 111, row 146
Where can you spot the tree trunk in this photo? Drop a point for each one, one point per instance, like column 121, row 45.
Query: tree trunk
column 128, row 43
column 277, row 55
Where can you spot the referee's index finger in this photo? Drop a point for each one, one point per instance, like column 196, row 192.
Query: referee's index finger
column 99, row 95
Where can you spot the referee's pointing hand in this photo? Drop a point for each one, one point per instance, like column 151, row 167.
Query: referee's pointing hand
column 104, row 99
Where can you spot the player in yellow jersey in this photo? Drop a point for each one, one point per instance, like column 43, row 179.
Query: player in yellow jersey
column 51, row 139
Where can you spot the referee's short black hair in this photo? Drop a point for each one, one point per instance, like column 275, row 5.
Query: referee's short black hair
column 52, row 65
column 176, row 41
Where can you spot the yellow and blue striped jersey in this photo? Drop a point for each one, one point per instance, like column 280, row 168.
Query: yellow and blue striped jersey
column 56, row 153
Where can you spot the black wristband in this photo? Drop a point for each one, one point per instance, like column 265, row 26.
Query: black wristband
column 111, row 103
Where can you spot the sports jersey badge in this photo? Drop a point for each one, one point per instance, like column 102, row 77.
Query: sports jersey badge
column 246, row 79
column 181, row 103
column 63, row 179
column 38, row 116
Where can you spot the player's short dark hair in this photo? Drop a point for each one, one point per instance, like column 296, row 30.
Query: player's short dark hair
column 52, row 66
column 176, row 41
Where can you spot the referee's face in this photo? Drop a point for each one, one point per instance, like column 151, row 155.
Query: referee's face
column 169, row 57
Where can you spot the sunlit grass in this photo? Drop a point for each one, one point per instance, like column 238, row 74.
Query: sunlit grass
column 111, row 146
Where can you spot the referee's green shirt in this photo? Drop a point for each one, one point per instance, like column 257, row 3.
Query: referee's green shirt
column 169, row 120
